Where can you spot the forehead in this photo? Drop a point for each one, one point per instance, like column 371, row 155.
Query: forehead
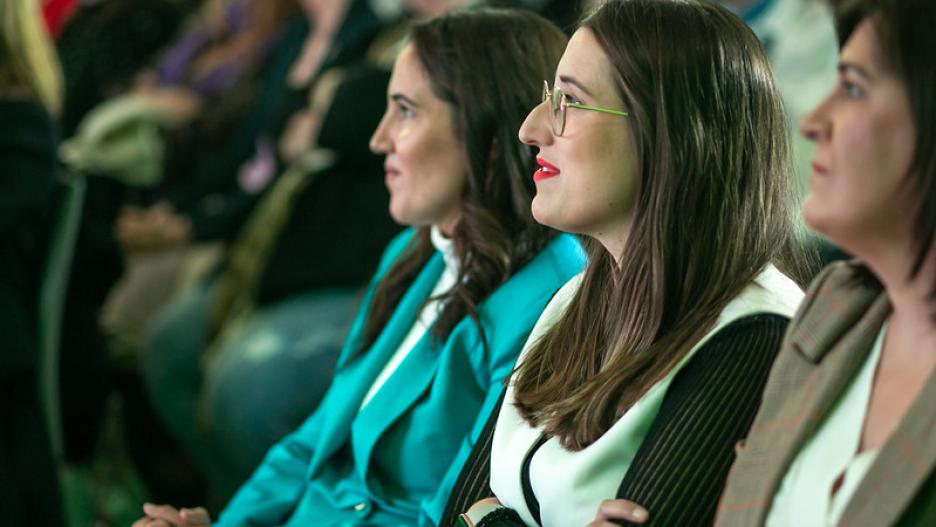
column 585, row 61
column 408, row 74
column 863, row 47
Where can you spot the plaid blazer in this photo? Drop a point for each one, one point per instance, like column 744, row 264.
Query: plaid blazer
column 825, row 345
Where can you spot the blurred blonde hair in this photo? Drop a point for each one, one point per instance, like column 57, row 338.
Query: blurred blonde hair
column 28, row 62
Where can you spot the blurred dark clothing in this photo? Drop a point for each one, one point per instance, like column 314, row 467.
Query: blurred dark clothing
column 203, row 183
column 29, row 493
column 339, row 223
column 104, row 45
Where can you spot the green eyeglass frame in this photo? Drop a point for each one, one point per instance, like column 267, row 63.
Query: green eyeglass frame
column 559, row 103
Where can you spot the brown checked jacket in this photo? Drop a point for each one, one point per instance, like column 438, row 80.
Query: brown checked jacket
column 825, row 345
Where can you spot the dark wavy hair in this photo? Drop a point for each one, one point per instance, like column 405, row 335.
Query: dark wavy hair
column 714, row 206
column 488, row 65
column 907, row 39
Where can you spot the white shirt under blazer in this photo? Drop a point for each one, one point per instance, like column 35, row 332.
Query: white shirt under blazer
column 569, row 486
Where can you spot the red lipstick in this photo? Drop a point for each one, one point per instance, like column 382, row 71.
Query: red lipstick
column 545, row 171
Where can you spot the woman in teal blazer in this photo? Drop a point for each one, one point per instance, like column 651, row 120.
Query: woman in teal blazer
column 452, row 302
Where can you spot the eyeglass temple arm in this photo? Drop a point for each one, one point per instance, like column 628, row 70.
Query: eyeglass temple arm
column 596, row 109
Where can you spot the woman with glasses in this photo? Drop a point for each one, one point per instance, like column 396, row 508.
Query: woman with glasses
column 453, row 299
column 663, row 141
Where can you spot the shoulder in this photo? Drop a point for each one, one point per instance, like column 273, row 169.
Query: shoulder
column 538, row 281
column 754, row 335
column 842, row 281
column 26, row 125
column 397, row 246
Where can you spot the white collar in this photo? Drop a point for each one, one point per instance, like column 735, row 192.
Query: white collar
column 446, row 246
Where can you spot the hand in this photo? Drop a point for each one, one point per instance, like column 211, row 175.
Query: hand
column 618, row 510
column 158, row 227
column 480, row 509
column 169, row 516
column 177, row 104
column 299, row 137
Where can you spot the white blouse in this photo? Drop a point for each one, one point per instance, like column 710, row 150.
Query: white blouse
column 569, row 486
column 805, row 497
column 427, row 316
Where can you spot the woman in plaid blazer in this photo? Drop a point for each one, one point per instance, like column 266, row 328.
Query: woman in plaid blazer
column 846, row 434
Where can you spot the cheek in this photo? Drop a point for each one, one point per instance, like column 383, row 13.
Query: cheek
column 861, row 194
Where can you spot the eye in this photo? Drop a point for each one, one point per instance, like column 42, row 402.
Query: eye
column 405, row 111
column 850, row 90
column 572, row 99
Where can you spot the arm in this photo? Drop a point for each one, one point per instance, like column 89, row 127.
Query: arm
column 679, row 472
column 271, row 494
column 433, row 508
column 274, row 489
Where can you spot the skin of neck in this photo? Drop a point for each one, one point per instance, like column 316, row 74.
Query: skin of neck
column 913, row 312
column 613, row 238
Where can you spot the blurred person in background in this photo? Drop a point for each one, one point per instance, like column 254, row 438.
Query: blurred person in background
column 30, row 99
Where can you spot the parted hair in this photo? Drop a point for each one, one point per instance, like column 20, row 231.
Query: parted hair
column 714, row 206
column 905, row 33
column 488, row 65
column 28, row 63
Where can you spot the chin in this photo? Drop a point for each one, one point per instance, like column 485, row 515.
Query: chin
column 538, row 215
column 399, row 216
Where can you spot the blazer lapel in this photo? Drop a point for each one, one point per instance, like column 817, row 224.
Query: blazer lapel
column 901, row 468
column 412, row 378
column 357, row 376
column 824, row 347
column 830, row 377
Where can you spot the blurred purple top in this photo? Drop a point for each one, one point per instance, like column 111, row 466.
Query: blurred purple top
column 175, row 66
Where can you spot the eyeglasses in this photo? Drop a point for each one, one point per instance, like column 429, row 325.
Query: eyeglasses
column 559, row 103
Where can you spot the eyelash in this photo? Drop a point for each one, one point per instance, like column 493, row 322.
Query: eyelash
column 851, row 90
column 405, row 111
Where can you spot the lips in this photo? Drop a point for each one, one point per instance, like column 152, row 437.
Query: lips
column 390, row 173
column 819, row 169
column 545, row 171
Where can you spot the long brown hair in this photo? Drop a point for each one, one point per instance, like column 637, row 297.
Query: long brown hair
column 905, row 32
column 714, row 206
column 488, row 65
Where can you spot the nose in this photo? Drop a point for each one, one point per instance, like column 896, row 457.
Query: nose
column 536, row 129
column 815, row 125
column 380, row 142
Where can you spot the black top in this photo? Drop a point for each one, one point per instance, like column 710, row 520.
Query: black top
column 680, row 469
column 105, row 44
column 29, row 493
column 27, row 158
column 340, row 223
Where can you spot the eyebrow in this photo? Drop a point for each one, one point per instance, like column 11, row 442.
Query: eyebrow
column 399, row 97
column 574, row 82
column 845, row 67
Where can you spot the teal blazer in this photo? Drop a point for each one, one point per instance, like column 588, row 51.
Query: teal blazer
column 395, row 462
